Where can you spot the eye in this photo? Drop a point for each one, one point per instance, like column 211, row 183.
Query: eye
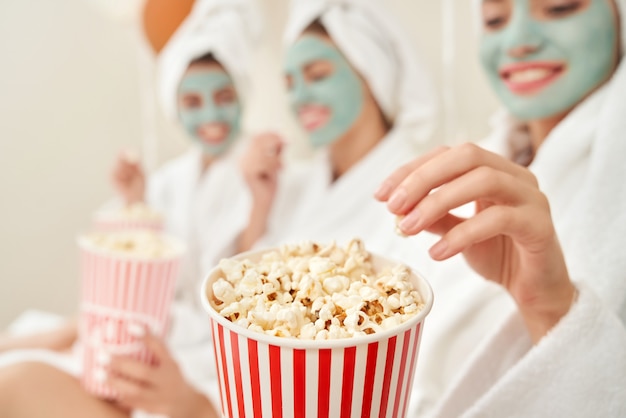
column 225, row 96
column 564, row 9
column 495, row 14
column 191, row 101
column 318, row 71
column 495, row 23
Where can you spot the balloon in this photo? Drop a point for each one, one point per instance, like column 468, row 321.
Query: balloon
column 121, row 10
column 161, row 18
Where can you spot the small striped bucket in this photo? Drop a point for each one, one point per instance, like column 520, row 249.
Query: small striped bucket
column 120, row 294
column 263, row 376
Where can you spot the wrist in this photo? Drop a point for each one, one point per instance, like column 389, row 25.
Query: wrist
column 542, row 314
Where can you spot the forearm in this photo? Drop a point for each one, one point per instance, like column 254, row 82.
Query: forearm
column 256, row 228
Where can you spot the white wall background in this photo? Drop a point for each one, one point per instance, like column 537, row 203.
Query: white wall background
column 70, row 100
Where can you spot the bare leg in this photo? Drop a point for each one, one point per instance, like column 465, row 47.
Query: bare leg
column 59, row 339
column 33, row 390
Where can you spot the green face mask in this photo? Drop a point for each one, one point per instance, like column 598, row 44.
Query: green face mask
column 210, row 109
column 572, row 56
column 326, row 107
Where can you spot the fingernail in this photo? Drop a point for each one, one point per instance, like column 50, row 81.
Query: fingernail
column 99, row 375
column 411, row 222
column 136, row 330
column 382, row 191
column 397, row 200
column 103, row 358
column 439, row 249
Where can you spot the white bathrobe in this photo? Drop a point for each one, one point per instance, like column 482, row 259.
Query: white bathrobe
column 579, row 368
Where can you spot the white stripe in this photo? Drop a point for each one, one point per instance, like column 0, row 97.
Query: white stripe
column 336, row 382
column 312, row 382
column 219, row 364
column 231, row 372
column 286, row 367
column 265, row 380
column 246, row 380
column 360, row 363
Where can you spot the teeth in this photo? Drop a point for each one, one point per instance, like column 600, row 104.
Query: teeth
column 527, row 76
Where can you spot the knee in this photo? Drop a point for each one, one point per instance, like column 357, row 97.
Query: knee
column 14, row 380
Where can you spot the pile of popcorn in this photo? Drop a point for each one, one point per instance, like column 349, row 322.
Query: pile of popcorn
column 135, row 243
column 310, row 291
column 135, row 212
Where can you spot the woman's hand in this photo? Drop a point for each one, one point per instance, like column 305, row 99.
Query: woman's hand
column 159, row 388
column 510, row 239
column 260, row 166
column 128, row 178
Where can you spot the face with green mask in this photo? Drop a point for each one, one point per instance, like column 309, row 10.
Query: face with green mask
column 208, row 107
column 325, row 93
column 543, row 57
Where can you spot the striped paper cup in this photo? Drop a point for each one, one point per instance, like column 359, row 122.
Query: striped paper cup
column 266, row 376
column 120, row 297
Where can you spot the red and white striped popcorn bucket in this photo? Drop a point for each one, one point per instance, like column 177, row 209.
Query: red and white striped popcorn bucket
column 121, row 296
column 266, row 376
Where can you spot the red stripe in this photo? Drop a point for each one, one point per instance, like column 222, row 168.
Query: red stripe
column 219, row 375
column 225, row 368
column 277, row 396
column 253, row 361
column 234, row 340
column 348, row 381
column 412, row 366
column 370, row 374
column 403, row 366
column 299, row 383
column 323, row 402
column 391, row 350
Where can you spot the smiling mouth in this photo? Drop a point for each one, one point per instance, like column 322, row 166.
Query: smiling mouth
column 213, row 133
column 529, row 78
column 313, row 117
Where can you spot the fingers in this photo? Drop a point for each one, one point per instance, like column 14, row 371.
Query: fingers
column 483, row 183
column 157, row 347
column 391, row 183
column 443, row 167
column 134, row 370
column 131, row 395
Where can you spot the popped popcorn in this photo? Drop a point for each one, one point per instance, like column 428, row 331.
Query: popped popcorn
column 136, row 243
column 135, row 212
column 315, row 292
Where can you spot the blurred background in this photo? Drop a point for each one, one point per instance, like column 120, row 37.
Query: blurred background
column 77, row 86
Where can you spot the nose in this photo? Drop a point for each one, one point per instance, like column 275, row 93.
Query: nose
column 523, row 36
column 521, row 51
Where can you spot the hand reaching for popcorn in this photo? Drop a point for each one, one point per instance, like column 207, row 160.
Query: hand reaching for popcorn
column 510, row 240
column 260, row 165
column 128, row 178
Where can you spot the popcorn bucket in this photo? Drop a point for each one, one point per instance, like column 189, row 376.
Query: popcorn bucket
column 266, row 376
column 121, row 296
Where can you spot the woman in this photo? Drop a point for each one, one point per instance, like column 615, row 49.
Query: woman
column 550, row 212
column 203, row 75
column 360, row 119
column 364, row 119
